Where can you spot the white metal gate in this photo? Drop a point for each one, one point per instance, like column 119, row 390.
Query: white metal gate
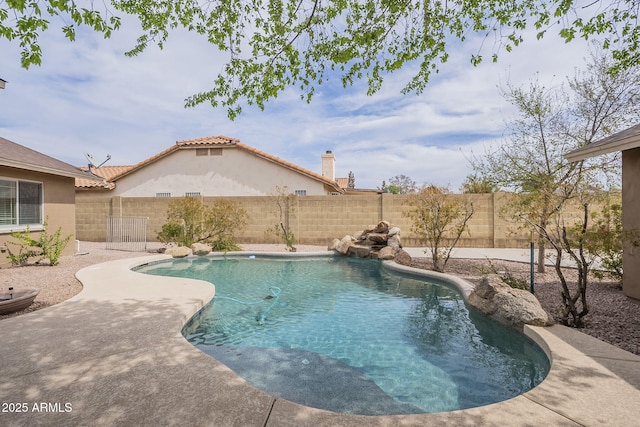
column 127, row 233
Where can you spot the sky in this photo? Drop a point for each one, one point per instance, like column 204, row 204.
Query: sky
column 88, row 97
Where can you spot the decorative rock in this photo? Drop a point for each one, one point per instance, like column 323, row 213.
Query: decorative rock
column 386, row 253
column 345, row 243
column 178, row 251
column 200, row 249
column 403, row 257
column 333, row 246
column 382, row 227
column 394, row 242
column 379, row 241
column 360, row 235
column 393, row 231
column 359, row 251
column 377, row 238
column 514, row 307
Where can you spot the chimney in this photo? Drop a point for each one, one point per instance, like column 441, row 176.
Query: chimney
column 329, row 165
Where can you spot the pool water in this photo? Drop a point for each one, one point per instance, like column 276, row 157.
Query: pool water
column 346, row 335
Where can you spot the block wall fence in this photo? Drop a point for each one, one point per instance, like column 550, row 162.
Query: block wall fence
column 316, row 220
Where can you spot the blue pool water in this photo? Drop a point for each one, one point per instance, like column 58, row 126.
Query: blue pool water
column 346, row 335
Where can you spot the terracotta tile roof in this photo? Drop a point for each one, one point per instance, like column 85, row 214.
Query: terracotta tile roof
column 217, row 141
column 209, row 140
column 343, row 182
column 106, row 172
column 17, row 156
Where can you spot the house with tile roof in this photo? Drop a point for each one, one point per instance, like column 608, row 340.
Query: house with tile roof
column 211, row 166
column 627, row 142
column 33, row 188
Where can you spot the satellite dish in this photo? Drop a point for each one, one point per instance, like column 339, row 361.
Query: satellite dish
column 93, row 162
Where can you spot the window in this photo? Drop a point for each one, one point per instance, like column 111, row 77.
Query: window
column 192, row 194
column 20, row 202
column 300, row 192
column 163, row 194
column 208, row 151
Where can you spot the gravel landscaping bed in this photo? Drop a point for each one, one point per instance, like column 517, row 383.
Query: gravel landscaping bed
column 613, row 317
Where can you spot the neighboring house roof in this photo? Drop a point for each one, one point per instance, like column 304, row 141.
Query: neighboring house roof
column 621, row 141
column 17, row 156
column 343, row 182
column 210, row 141
column 106, row 172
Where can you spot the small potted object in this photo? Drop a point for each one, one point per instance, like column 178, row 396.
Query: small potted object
column 15, row 300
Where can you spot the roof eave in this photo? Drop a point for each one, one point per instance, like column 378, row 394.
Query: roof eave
column 599, row 150
column 43, row 169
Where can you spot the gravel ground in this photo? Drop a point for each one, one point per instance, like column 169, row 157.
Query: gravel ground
column 614, row 318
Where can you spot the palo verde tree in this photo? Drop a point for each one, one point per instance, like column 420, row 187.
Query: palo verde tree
column 274, row 45
column 439, row 218
column 552, row 122
column 190, row 221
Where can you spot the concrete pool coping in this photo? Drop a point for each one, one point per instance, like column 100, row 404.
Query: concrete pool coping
column 114, row 355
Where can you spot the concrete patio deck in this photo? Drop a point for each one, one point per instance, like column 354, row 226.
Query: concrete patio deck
column 113, row 355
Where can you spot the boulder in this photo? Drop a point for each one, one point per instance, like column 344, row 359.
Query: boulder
column 359, row 251
column 178, row 251
column 377, row 238
column 513, row 307
column 393, row 231
column 333, row 246
column 386, row 253
column 345, row 243
column 200, row 249
column 403, row 257
column 394, row 242
column 382, row 227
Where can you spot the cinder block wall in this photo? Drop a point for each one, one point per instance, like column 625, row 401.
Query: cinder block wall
column 314, row 220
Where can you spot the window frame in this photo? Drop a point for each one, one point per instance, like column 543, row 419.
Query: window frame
column 8, row 228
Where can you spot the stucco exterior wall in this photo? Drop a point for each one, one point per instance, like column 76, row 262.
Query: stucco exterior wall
column 233, row 173
column 631, row 221
column 59, row 206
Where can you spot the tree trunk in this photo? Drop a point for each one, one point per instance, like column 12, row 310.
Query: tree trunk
column 541, row 258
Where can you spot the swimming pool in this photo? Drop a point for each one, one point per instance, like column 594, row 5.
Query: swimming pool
column 347, row 335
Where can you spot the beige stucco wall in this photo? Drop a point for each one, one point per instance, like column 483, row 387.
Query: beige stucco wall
column 234, row 173
column 631, row 220
column 59, row 206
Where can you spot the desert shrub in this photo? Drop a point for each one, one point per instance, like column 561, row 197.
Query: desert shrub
column 284, row 209
column 506, row 276
column 439, row 218
column 190, row 221
column 46, row 246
